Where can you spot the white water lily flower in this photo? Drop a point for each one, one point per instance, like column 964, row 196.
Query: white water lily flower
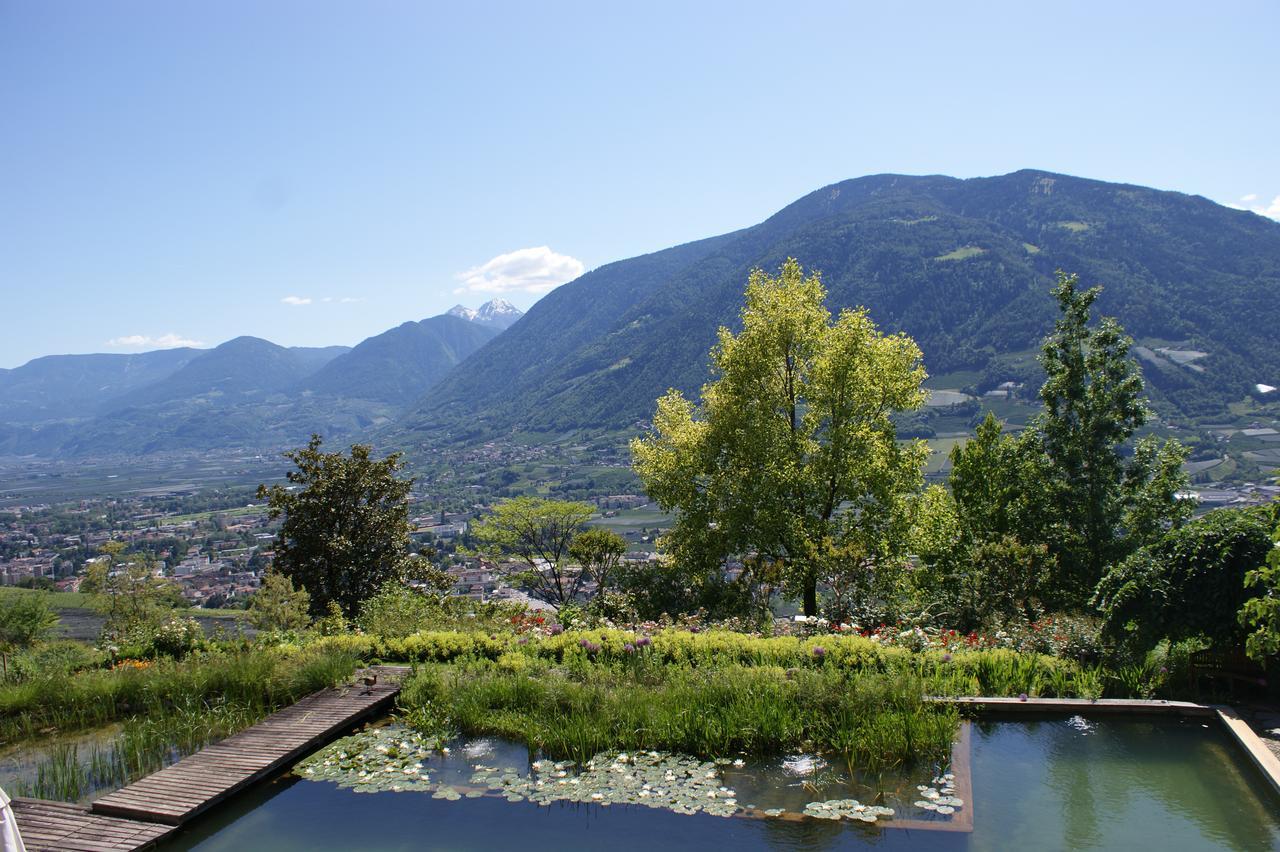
column 739, row 763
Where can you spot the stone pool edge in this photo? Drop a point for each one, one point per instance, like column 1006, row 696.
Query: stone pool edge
column 1261, row 756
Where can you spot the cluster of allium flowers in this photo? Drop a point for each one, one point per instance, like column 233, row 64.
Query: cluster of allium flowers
column 590, row 647
column 819, row 652
column 644, row 642
column 555, row 630
column 629, row 648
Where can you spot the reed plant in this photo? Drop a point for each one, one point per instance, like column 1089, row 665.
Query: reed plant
column 873, row 720
column 168, row 710
column 256, row 679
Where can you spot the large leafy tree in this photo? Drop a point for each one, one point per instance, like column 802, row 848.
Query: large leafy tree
column 791, row 456
column 346, row 524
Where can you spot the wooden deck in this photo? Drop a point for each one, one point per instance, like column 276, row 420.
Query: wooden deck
column 143, row 813
column 196, row 783
column 58, row 825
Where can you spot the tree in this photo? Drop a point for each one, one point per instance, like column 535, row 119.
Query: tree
column 1261, row 612
column 277, row 605
column 346, row 524
column 25, row 619
column 1093, row 403
column 791, row 458
column 974, row 580
column 599, row 552
column 538, row 533
column 1064, row 483
column 130, row 590
column 1190, row 583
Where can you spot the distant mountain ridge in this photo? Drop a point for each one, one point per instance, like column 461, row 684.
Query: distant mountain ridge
column 399, row 365
column 495, row 313
column 246, row 392
column 964, row 266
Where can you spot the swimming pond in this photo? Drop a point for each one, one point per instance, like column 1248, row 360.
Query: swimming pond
column 1048, row 783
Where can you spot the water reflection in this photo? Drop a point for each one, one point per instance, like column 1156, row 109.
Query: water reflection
column 1040, row 784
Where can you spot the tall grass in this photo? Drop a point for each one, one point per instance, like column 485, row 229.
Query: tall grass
column 258, row 679
column 72, row 773
column 168, row 710
column 873, row 720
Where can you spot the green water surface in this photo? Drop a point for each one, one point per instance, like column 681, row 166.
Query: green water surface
column 1159, row 785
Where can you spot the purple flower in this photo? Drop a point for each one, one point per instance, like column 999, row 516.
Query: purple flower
column 1022, row 696
column 555, row 630
column 523, row 640
column 819, row 651
column 1163, row 670
column 629, row 648
column 695, row 629
column 644, row 642
column 946, row 658
column 584, row 643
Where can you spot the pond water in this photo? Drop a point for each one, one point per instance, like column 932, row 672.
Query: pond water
column 1049, row 783
column 21, row 762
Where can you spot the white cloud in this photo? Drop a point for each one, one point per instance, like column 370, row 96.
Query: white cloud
column 528, row 270
column 1250, row 202
column 296, row 300
column 143, row 341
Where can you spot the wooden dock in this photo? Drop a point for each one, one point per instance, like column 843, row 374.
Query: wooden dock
column 58, row 825
column 139, row 815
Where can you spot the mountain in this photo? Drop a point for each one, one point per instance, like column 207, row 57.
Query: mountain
column 964, row 266
column 495, row 313
column 247, row 393
column 399, row 365
column 60, row 386
column 236, row 371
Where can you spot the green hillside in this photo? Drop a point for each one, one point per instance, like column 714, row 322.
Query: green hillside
column 964, row 266
column 399, row 365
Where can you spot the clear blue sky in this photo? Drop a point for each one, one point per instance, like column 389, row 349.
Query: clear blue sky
column 175, row 170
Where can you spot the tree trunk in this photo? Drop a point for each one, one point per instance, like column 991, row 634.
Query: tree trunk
column 810, row 594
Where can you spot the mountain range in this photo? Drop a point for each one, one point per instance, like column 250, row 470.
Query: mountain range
column 963, row 266
column 247, row 392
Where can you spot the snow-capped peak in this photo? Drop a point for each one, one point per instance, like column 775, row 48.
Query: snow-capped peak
column 462, row 311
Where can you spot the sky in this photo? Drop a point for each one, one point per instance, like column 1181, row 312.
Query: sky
column 182, row 173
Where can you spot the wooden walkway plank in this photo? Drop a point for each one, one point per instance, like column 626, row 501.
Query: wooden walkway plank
column 194, row 784
column 61, row 826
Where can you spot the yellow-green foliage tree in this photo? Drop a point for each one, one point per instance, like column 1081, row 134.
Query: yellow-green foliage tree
column 539, row 535
column 792, row 454
column 277, row 605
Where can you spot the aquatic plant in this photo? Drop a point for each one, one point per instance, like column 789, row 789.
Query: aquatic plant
column 579, row 709
column 259, row 680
